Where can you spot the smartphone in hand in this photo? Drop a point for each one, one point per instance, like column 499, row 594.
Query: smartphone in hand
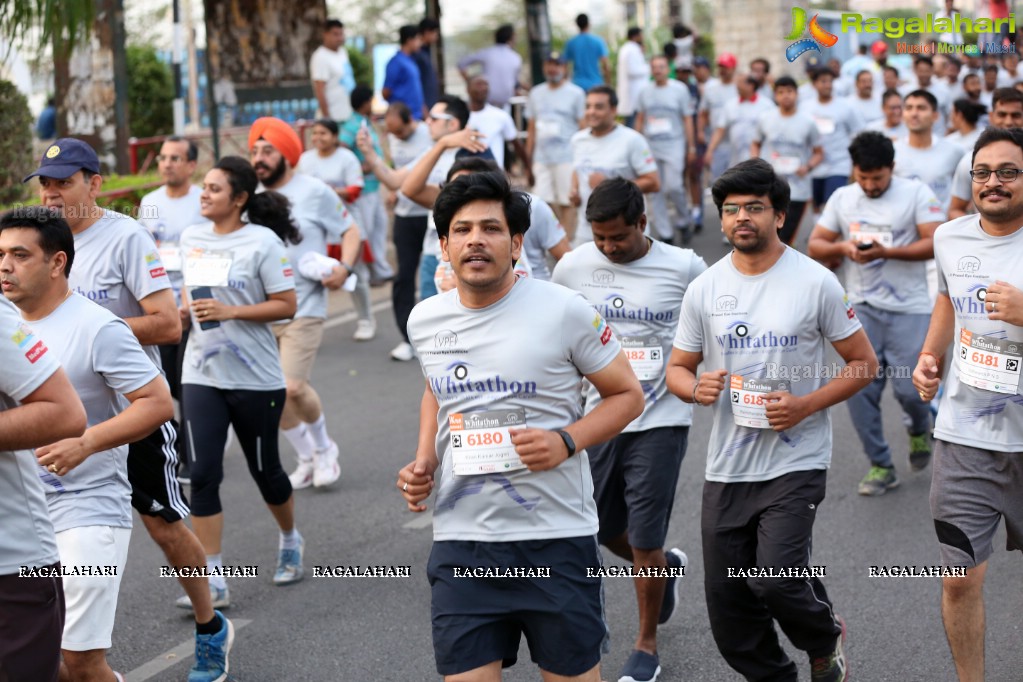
column 204, row 292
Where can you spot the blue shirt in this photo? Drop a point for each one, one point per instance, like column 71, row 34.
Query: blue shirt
column 585, row 52
column 349, row 130
column 427, row 76
column 402, row 78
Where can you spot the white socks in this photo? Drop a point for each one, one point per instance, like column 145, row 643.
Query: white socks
column 302, row 441
column 318, row 433
column 290, row 539
column 213, row 562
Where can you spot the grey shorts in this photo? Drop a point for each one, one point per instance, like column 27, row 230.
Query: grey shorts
column 971, row 491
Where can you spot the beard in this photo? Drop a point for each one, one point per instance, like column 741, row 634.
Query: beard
column 275, row 175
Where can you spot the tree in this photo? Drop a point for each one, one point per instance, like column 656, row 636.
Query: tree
column 150, row 93
column 67, row 21
column 15, row 143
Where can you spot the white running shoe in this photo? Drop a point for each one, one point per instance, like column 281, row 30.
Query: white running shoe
column 302, row 476
column 403, row 352
column 365, row 330
column 327, row 468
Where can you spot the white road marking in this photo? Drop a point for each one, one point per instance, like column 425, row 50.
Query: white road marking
column 179, row 654
column 421, row 520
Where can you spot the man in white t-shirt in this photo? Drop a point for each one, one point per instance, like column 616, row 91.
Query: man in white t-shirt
column 633, row 74
column 717, row 95
column 607, row 150
column 864, row 99
column 879, row 229
column 331, row 73
column 922, row 155
column 322, row 218
column 891, row 123
column 738, row 123
column 496, row 125
column 639, row 294
column 837, row 122
column 767, row 388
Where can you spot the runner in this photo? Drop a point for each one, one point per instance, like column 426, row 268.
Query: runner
column 532, row 391
column 922, row 155
column 880, row 229
column 978, row 471
column 739, row 123
column 965, row 120
column 864, row 100
column 635, row 473
column 86, row 477
column 496, row 126
column 717, row 94
column 320, row 217
column 770, row 446
column 238, row 281
column 892, row 124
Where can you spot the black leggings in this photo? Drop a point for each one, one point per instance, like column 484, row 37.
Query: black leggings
column 408, row 241
column 255, row 416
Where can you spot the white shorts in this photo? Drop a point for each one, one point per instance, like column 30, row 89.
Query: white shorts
column 91, row 600
column 553, row 182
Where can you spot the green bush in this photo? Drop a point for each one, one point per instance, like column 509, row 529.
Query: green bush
column 150, row 93
column 362, row 68
column 15, row 142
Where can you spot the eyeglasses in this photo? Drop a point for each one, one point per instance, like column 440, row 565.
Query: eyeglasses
column 440, row 117
column 1004, row 174
column 173, row 158
column 751, row 209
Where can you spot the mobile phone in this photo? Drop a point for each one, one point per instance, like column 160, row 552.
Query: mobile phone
column 863, row 246
column 204, row 292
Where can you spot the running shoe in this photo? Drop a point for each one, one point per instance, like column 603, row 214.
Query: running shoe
column 365, row 330
column 676, row 559
column 833, row 667
column 641, row 667
column 289, row 565
column 221, row 598
column 919, row 452
column 326, row 468
column 403, row 352
column 211, row 651
column 302, row 476
column 878, row 481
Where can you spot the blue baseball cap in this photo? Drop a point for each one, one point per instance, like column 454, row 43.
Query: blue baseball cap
column 64, row 158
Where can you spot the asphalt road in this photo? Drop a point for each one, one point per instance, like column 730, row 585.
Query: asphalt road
column 348, row 629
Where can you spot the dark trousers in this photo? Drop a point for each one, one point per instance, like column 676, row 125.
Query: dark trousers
column 408, row 242
column 767, row 524
column 172, row 357
column 792, row 219
column 31, row 627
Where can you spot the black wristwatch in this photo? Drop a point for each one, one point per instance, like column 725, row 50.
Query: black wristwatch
column 569, row 443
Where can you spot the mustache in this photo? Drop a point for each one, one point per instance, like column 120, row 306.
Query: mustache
column 996, row 191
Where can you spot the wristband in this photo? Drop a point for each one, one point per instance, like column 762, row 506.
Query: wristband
column 696, row 387
column 348, row 267
column 569, row 443
column 923, row 353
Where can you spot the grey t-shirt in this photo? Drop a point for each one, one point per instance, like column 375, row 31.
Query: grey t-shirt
column 166, row 218
column 641, row 302
column 322, row 218
column 962, row 183
column 543, row 234
column 404, row 152
column 340, row 169
column 838, row 123
column 969, row 260
column 740, row 122
column 27, row 538
column 238, row 354
column 117, row 265
column 103, row 361
column 787, row 142
column 664, row 108
column 868, row 109
column 761, row 328
column 557, row 112
column 896, row 285
column 933, row 166
column 483, row 360
column 894, row 134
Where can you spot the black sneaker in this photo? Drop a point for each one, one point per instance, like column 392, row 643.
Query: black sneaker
column 833, row 667
column 676, row 559
column 919, row 452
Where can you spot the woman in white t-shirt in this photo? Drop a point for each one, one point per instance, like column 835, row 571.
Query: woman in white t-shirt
column 336, row 165
column 965, row 120
column 238, row 280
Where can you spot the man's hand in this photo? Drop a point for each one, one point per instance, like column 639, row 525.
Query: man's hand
column 336, row 279
column 802, row 171
column 64, row 455
column 415, row 481
column 784, row 410
column 1004, row 303
column 365, row 144
column 539, row 449
column 595, row 179
column 466, row 138
column 926, row 377
column 864, row 256
column 710, row 386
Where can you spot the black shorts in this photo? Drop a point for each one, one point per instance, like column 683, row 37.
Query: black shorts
column 479, row 620
column 152, row 472
column 634, row 478
column 31, row 627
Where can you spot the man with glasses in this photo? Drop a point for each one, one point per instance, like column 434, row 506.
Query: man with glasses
column 879, row 229
column 978, row 458
column 768, row 388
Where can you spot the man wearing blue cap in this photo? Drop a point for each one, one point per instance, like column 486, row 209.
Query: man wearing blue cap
column 117, row 265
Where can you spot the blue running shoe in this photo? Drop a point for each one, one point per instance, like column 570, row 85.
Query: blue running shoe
column 676, row 559
column 289, row 565
column 641, row 667
column 211, row 653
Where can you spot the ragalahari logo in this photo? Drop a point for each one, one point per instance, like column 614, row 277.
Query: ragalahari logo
column 818, row 36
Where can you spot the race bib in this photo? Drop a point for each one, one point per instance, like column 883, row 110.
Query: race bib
column 749, row 406
column 646, row 356
column 657, row 125
column 785, row 165
column 207, row 268
column 865, row 233
column 825, row 126
column 170, row 255
column 988, row 363
column 481, row 444
column 547, row 128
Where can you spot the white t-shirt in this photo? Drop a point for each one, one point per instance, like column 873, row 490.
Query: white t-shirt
column 633, row 74
column 544, row 233
column 899, row 286
column 497, row 126
column 322, row 218
column 333, row 68
column 934, row 166
column 962, row 183
column 166, row 218
column 117, row 265
column 894, row 134
column 966, row 141
column 252, row 263
column 969, row 260
column 787, row 142
column 762, row 328
column 483, row 360
column 838, row 123
column 715, row 99
column 664, row 108
column 340, row 169
column 27, row 538
column 103, row 360
column 404, row 152
column 740, row 123
column 557, row 112
column 641, row 302
column 438, row 175
column 868, row 109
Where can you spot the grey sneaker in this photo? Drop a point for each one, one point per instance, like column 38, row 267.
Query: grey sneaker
column 878, row 481
column 289, row 565
column 221, row 598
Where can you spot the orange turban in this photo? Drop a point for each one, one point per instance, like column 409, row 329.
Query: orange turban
column 278, row 133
